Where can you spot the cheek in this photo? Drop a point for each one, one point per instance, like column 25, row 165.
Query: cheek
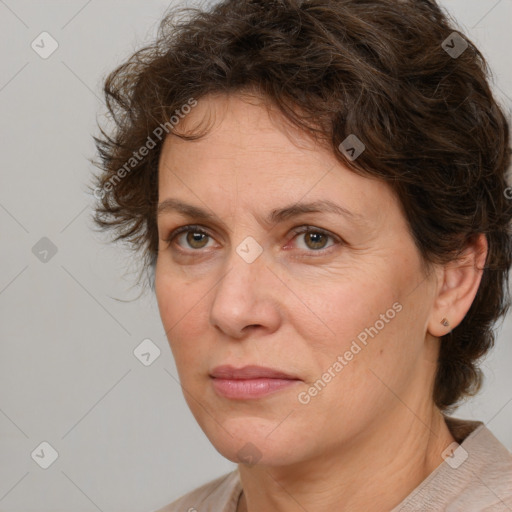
column 351, row 374
column 182, row 316
column 381, row 344
column 372, row 322
column 347, row 310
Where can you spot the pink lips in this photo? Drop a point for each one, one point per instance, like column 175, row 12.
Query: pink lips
column 249, row 382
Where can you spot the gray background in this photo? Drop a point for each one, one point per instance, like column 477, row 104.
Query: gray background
column 125, row 438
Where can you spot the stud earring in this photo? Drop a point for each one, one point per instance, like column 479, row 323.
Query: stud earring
column 445, row 322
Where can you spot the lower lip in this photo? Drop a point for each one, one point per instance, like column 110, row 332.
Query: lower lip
column 247, row 389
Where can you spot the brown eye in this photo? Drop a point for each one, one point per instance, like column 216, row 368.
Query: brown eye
column 312, row 239
column 190, row 237
column 315, row 240
column 196, row 239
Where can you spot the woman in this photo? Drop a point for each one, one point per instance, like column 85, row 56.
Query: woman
column 318, row 190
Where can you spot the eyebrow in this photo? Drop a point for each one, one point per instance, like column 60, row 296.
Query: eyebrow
column 276, row 216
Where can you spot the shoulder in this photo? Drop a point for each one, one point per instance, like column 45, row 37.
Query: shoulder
column 488, row 475
column 219, row 495
column 476, row 476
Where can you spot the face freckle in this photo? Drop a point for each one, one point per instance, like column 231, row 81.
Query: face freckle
column 323, row 317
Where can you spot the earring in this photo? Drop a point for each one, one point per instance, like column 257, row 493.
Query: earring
column 445, row 322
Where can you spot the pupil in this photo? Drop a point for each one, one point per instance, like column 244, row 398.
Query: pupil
column 194, row 239
column 316, row 239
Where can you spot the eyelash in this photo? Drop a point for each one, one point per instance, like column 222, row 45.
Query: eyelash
column 297, row 231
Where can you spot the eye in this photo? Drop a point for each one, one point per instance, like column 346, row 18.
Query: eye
column 314, row 239
column 191, row 237
column 195, row 238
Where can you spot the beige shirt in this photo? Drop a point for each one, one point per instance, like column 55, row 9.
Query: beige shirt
column 476, row 477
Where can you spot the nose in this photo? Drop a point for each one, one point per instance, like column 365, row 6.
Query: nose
column 245, row 298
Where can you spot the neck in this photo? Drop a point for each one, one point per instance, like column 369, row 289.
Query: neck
column 375, row 472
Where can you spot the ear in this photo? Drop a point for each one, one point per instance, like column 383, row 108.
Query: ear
column 458, row 284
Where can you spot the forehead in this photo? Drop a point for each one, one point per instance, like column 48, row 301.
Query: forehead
column 250, row 153
column 243, row 135
column 239, row 125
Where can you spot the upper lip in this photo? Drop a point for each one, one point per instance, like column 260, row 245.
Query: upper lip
column 249, row 372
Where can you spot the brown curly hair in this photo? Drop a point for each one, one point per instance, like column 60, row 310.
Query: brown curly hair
column 379, row 69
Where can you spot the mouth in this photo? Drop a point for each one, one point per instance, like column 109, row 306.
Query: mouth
column 250, row 382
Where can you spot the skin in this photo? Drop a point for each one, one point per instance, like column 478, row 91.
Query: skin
column 373, row 433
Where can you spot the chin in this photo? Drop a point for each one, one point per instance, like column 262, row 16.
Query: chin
column 252, row 441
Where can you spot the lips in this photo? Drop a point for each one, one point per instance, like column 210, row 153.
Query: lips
column 250, row 382
column 248, row 372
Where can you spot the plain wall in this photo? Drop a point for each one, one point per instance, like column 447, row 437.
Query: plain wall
column 125, row 438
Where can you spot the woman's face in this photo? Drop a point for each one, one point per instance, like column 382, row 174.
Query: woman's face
column 340, row 310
